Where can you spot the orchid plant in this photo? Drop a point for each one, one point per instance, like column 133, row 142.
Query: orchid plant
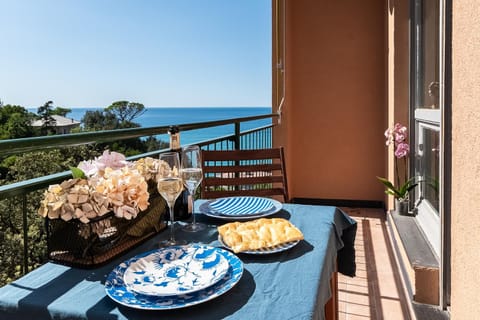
column 397, row 136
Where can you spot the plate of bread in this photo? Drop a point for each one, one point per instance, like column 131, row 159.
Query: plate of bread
column 238, row 208
column 259, row 236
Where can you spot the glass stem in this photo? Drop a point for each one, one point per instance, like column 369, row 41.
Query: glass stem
column 172, row 233
column 193, row 205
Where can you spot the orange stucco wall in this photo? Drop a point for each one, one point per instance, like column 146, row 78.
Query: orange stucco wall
column 340, row 97
column 465, row 228
column 336, row 88
column 398, row 72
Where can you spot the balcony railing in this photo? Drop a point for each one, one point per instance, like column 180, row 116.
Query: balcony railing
column 256, row 138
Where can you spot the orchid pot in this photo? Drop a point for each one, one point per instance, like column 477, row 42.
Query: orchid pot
column 402, row 206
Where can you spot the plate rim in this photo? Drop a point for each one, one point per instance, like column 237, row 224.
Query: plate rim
column 130, row 288
column 286, row 246
column 117, row 274
column 277, row 206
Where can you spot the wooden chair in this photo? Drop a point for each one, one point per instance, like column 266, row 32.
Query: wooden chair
column 258, row 172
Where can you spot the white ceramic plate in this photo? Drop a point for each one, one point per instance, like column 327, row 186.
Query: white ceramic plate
column 240, row 208
column 269, row 250
column 176, row 270
column 117, row 291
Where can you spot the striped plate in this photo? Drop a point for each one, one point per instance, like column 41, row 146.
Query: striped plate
column 240, row 207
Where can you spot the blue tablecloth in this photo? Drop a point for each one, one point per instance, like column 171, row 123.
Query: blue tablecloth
column 290, row 285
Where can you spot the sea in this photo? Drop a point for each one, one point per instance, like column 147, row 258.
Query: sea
column 165, row 116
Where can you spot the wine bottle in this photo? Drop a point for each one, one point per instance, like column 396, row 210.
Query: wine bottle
column 182, row 209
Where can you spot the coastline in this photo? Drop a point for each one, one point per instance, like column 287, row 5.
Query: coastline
column 165, row 116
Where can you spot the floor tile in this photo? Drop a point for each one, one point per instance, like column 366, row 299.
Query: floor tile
column 376, row 292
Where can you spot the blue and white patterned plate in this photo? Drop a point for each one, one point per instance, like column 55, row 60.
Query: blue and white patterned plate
column 269, row 250
column 238, row 208
column 176, row 270
column 116, row 289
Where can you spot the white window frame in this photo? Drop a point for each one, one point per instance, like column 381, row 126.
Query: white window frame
column 435, row 226
column 428, row 218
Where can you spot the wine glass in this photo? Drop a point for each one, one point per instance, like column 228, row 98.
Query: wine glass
column 192, row 175
column 170, row 185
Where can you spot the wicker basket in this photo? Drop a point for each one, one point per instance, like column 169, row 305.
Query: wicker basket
column 88, row 245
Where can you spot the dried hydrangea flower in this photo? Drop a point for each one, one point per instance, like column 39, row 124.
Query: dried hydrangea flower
column 126, row 190
column 112, row 185
column 147, row 167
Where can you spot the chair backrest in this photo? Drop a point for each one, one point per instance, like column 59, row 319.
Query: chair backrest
column 259, row 172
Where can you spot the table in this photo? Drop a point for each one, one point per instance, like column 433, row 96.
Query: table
column 294, row 284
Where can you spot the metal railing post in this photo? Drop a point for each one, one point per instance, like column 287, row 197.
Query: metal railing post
column 237, row 136
column 25, row 234
column 237, row 147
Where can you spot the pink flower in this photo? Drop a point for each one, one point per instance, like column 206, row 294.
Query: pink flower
column 389, row 135
column 94, row 168
column 402, row 150
column 88, row 167
column 399, row 137
column 112, row 160
column 400, row 133
column 400, row 129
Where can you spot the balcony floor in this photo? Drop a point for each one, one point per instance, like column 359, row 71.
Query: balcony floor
column 377, row 290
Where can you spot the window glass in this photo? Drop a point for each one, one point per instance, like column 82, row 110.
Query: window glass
column 426, row 55
column 426, row 102
column 426, row 110
column 427, row 105
column 427, row 169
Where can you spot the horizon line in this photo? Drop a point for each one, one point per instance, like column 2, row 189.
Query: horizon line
column 158, row 107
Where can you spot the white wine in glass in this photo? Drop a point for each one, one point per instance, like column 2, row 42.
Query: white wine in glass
column 170, row 185
column 192, row 175
column 170, row 189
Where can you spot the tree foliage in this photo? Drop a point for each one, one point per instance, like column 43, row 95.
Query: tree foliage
column 99, row 120
column 126, row 112
column 15, row 122
column 61, row 111
column 45, row 113
column 121, row 115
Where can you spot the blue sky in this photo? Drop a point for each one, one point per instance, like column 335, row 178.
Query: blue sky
column 155, row 52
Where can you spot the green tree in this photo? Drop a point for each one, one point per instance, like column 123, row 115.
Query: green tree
column 126, row 112
column 15, row 122
column 27, row 166
column 61, row 111
column 120, row 115
column 99, row 120
column 153, row 144
column 45, row 113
